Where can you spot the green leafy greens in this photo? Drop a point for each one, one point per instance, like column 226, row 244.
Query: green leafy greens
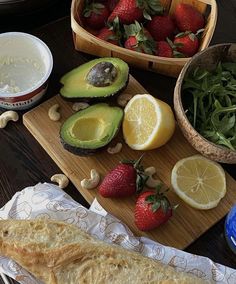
column 210, row 103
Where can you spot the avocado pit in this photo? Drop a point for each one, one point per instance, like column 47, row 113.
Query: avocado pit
column 95, row 80
column 102, row 74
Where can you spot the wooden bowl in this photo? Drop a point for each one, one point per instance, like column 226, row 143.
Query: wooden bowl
column 207, row 59
column 86, row 42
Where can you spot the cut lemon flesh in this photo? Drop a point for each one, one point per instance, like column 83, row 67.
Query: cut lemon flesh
column 148, row 122
column 199, row 181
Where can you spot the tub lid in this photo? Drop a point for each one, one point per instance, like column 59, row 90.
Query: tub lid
column 230, row 227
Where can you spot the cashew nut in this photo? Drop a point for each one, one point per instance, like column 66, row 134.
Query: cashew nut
column 8, row 116
column 61, row 179
column 115, row 150
column 151, row 182
column 54, row 113
column 92, row 182
column 79, row 106
column 123, row 99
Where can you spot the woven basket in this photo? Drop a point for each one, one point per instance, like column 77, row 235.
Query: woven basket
column 87, row 42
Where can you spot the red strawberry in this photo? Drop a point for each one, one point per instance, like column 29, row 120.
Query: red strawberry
column 131, row 43
column 161, row 27
column 129, row 11
column 108, row 35
column 164, row 49
column 124, row 180
column 188, row 18
column 138, row 39
column 95, row 15
column 151, row 210
column 186, row 43
column 111, row 4
column 112, row 33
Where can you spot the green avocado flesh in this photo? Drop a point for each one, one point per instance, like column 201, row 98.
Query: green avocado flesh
column 91, row 128
column 76, row 84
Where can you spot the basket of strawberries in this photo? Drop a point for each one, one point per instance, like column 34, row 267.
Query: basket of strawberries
column 156, row 35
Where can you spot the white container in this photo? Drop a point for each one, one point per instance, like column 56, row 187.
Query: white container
column 25, row 66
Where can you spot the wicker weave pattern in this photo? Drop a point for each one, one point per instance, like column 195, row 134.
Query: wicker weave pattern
column 86, row 42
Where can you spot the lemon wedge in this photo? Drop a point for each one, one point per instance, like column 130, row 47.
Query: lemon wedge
column 148, row 122
column 199, row 181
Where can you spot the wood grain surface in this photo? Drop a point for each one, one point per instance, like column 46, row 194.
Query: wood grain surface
column 187, row 224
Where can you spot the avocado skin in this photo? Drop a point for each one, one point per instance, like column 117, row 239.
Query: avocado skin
column 107, row 110
column 75, row 85
column 79, row 151
column 96, row 99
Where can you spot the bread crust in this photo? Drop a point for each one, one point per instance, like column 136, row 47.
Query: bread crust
column 60, row 253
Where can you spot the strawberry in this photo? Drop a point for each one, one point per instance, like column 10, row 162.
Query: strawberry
column 164, row 49
column 112, row 33
column 111, row 4
column 108, row 35
column 129, row 11
column 151, row 210
column 188, row 18
column 161, row 27
column 186, row 43
column 131, row 43
column 124, row 180
column 138, row 39
column 95, row 15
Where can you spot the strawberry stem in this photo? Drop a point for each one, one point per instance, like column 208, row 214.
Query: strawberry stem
column 158, row 199
column 137, row 163
column 141, row 177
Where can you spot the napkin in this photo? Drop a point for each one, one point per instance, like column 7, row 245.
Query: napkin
column 50, row 202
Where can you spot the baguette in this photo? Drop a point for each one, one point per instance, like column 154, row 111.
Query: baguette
column 59, row 253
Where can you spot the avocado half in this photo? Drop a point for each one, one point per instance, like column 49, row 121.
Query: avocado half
column 91, row 129
column 99, row 78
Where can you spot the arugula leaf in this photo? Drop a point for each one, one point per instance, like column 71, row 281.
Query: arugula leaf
column 210, row 102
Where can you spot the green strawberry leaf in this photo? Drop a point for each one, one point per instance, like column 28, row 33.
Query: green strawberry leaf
column 183, row 34
column 158, row 188
column 192, row 37
column 112, row 37
column 146, row 15
column 98, row 5
column 179, row 44
column 170, row 42
column 165, row 205
column 199, row 32
column 156, row 206
column 156, row 7
column 141, row 180
column 93, row 8
column 149, row 46
column 87, row 13
column 150, row 7
column 178, row 54
column 150, row 198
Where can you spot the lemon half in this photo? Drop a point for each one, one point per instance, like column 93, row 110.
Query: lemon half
column 199, row 181
column 148, row 122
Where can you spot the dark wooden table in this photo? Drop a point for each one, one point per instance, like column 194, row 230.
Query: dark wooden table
column 24, row 162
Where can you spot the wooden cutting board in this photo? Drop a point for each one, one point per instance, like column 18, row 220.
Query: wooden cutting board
column 185, row 226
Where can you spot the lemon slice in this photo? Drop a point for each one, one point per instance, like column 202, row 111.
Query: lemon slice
column 148, row 122
column 199, row 182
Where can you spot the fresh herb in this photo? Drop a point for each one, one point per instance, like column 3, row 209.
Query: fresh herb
column 210, row 103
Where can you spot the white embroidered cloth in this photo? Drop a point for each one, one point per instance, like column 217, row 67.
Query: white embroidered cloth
column 49, row 201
